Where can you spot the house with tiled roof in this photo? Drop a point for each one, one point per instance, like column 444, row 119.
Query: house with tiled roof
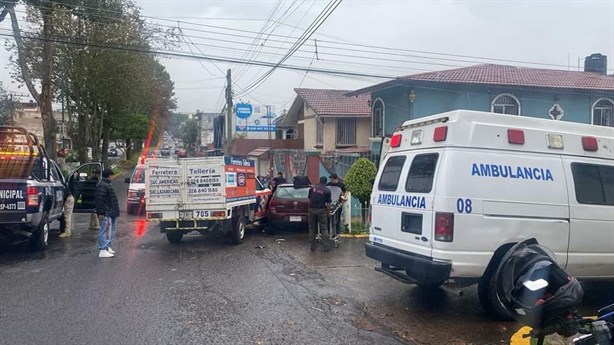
column 577, row 96
column 328, row 120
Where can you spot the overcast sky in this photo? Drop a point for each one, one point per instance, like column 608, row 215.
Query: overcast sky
column 424, row 35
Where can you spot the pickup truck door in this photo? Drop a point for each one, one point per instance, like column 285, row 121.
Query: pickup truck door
column 82, row 184
column 57, row 190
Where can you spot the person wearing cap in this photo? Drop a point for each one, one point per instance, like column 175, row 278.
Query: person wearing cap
column 319, row 206
column 107, row 209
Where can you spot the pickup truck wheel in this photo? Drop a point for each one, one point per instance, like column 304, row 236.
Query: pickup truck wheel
column 238, row 230
column 489, row 300
column 40, row 238
column 174, row 236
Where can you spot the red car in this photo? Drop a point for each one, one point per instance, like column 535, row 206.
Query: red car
column 288, row 208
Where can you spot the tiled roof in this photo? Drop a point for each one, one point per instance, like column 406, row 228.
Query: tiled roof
column 334, row 102
column 519, row 76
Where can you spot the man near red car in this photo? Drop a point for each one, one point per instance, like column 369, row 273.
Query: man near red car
column 319, row 206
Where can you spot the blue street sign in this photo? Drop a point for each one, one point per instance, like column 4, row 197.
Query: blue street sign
column 243, row 110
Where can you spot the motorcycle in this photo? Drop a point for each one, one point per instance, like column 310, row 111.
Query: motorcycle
column 537, row 292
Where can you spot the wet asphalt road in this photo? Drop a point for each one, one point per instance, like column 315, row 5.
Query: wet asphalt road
column 268, row 290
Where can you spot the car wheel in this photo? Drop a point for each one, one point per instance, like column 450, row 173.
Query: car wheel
column 487, row 292
column 174, row 236
column 40, row 237
column 238, row 230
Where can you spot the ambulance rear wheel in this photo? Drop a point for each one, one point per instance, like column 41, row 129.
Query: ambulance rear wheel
column 487, row 292
column 174, row 236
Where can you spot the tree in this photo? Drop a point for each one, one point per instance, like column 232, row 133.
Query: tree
column 189, row 135
column 359, row 181
column 6, row 108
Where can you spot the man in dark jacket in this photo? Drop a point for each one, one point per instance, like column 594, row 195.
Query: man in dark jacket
column 319, row 206
column 107, row 209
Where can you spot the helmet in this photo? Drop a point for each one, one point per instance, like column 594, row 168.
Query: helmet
column 534, row 289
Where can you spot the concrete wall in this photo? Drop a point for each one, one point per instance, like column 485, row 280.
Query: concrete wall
column 363, row 131
column 309, row 129
column 330, row 134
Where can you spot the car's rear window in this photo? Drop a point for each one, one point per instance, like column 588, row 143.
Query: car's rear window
column 291, row 193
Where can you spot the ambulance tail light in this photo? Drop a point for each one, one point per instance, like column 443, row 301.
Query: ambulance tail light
column 444, row 226
column 395, row 141
column 440, row 133
column 32, row 199
column 589, row 144
column 515, row 136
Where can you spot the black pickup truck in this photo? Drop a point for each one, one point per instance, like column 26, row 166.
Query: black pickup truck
column 32, row 189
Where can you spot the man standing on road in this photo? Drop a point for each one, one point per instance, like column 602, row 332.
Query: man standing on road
column 107, row 209
column 319, row 205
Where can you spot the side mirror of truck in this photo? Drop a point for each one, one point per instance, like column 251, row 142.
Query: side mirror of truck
column 127, row 180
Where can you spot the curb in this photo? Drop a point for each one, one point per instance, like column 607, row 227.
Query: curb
column 354, row 236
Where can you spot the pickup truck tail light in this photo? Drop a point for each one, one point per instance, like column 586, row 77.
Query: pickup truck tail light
column 32, row 194
column 444, row 227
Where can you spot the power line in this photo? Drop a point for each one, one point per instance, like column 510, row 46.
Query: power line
column 328, row 10
column 387, row 49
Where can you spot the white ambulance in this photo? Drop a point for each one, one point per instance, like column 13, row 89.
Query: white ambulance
column 458, row 189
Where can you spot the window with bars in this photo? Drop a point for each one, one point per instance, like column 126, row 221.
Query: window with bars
column 603, row 113
column 506, row 104
column 319, row 132
column 377, row 120
column 346, row 132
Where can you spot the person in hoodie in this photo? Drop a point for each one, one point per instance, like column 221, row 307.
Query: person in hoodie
column 107, row 209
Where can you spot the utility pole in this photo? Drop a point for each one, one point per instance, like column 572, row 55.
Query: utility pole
column 229, row 108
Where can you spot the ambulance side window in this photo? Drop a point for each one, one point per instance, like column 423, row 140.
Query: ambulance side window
column 392, row 171
column 594, row 184
column 421, row 172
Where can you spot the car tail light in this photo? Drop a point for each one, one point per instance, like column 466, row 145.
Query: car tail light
column 272, row 206
column 32, row 193
column 440, row 133
column 395, row 141
column 444, row 226
column 589, row 143
column 515, row 136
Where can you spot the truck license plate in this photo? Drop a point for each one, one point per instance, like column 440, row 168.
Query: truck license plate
column 295, row 218
column 201, row 214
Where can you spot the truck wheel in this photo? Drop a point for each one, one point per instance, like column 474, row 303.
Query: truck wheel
column 489, row 300
column 238, row 230
column 174, row 236
column 40, row 237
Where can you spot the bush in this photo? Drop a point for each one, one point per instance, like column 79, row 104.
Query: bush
column 359, row 181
